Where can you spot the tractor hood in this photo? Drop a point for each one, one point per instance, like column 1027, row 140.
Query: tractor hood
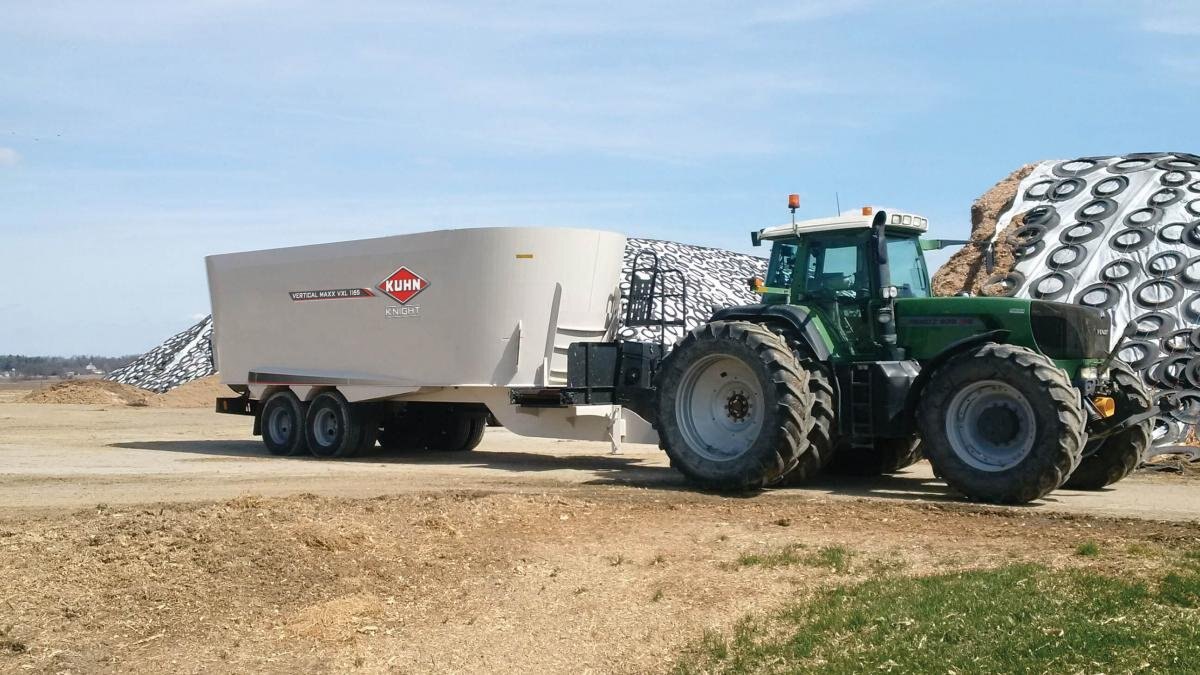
column 1065, row 331
column 1058, row 330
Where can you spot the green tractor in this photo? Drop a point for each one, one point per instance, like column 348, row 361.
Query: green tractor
column 849, row 359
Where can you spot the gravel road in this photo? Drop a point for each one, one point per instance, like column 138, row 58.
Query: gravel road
column 61, row 457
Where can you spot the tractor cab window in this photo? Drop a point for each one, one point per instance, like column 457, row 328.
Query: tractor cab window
column 783, row 261
column 834, row 268
column 907, row 266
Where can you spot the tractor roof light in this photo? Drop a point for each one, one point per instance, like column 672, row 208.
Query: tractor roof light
column 793, row 201
column 868, row 211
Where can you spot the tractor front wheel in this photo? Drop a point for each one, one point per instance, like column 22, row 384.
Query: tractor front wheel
column 1001, row 424
column 734, row 404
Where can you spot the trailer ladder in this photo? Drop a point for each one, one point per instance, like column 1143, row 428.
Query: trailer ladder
column 651, row 287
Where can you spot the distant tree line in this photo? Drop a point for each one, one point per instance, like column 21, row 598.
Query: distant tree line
column 58, row 366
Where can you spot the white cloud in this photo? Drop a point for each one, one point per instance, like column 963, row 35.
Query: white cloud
column 9, row 157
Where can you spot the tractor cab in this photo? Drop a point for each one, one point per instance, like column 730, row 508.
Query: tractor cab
column 832, row 265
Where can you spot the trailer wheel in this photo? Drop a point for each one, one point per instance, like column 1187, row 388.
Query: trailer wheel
column 369, row 416
column 1115, row 457
column 1001, row 424
column 438, row 430
column 401, row 434
column 334, row 427
column 456, row 432
column 886, row 455
column 733, row 406
column 282, row 420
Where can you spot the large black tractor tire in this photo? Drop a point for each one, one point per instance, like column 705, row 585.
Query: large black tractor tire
column 336, row 428
column 1001, row 424
column 282, row 423
column 733, row 406
column 822, row 438
column 886, row 455
column 1115, row 457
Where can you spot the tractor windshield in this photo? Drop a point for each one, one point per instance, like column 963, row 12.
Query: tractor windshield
column 783, row 260
column 907, row 267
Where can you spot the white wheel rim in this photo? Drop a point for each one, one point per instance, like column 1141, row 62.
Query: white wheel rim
column 280, row 426
column 719, row 406
column 990, row 425
column 326, row 426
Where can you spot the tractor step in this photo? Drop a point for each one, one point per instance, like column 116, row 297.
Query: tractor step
column 873, row 399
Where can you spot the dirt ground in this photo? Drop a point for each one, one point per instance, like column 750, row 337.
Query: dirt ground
column 143, row 539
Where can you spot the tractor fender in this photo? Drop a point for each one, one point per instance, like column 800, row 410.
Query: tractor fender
column 949, row 351
column 791, row 315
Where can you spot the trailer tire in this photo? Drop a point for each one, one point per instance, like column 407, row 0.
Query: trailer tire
column 369, row 413
column 282, row 421
column 822, row 438
column 734, row 406
column 333, row 427
column 1001, row 424
column 400, row 434
column 456, row 432
column 887, row 455
column 433, row 430
column 1117, row 456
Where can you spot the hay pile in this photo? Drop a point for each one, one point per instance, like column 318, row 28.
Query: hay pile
column 90, row 392
column 196, row 394
column 964, row 271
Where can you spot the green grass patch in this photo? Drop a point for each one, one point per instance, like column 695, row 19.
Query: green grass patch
column 1088, row 548
column 836, row 558
column 788, row 555
column 1018, row 618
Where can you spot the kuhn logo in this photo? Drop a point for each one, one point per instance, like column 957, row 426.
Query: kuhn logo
column 403, row 285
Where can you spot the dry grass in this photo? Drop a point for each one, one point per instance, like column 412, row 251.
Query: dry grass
column 621, row 581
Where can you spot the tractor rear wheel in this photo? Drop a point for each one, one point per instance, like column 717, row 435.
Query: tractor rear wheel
column 1113, row 458
column 886, row 455
column 1001, row 423
column 822, row 438
column 733, row 406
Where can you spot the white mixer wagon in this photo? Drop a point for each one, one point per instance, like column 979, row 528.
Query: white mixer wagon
column 414, row 339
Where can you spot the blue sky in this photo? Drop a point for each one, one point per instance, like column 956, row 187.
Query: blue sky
column 135, row 138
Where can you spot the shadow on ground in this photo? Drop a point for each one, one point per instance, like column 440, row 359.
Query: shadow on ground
column 622, row 470
column 637, row 467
